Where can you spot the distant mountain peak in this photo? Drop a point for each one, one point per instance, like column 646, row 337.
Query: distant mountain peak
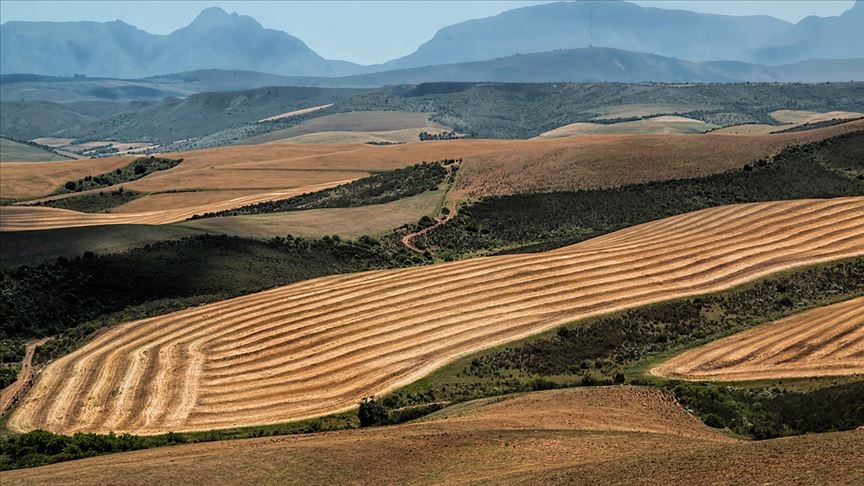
column 214, row 17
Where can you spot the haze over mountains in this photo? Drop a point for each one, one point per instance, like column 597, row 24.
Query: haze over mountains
column 667, row 45
column 214, row 40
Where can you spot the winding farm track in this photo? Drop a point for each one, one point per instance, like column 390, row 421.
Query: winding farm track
column 10, row 393
column 26, row 218
column 318, row 346
column 827, row 341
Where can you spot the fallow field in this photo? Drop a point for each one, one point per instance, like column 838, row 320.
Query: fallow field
column 562, row 437
column 318, row 346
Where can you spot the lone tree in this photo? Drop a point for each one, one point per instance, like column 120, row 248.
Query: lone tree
column 372, row 413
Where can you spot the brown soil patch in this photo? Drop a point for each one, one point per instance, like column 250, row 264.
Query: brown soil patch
column 318, row 346
column 480, row 440
column 828, row 341
column 827, row 459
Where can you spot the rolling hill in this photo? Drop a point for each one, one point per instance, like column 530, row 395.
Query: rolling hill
column 825, row 341
column 319, row 346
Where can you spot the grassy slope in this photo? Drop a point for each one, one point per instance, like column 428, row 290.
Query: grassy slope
column 11, row 150
column 373, row 219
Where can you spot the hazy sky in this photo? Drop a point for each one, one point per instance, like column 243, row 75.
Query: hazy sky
column 363, row 32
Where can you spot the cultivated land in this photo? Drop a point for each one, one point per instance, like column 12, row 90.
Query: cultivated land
column 372, row 219
column 827, row 341
column 28, row 218
column 553, row 436
column 11, row 150
column 666, row 124
column 318, row 346
column 360, row 121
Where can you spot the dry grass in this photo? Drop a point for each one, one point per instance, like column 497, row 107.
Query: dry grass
column 28, row 218
column 357, row 121
column 318, row 346
column 346, row 222
column 296, row 112
column 800, row 117
column 486, row 439
column 596, row 161
column 828, row 341
column 393, row 136
column 660, row 125
column 173, row 200
column 825, row 459
column 34, row 179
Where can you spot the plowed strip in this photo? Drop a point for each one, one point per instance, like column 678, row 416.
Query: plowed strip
column 827, row 341
column 26, row 218
column 318, row 346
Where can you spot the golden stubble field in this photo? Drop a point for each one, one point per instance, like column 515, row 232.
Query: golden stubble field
column 318, row 346
column 827, row 341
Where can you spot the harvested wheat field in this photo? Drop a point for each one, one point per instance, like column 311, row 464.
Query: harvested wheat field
column 27, row 218
column 828, row 341
column 496, row 437
column 318, row 346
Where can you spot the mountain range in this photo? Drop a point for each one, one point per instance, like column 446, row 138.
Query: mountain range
column 552, row 33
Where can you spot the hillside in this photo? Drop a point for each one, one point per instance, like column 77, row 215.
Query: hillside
column 616, row 24
column 174, row 119
column 603, row 64
column 388, row 328
column 214, row 39
column 820, row 342
column 814, row 38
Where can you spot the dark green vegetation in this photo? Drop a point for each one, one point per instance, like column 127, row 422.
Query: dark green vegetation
column 375, row 189
column 601, row 350
column 11, row 354
column 75, row 297
column 139, row 168
column 371, row 412
column 774, row 411
column 483, row 110
column 39, row 447
column 524, row 110
column 830, row 168
column 41, row 246
column 99, row 202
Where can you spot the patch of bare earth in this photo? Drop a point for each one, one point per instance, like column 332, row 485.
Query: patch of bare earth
column 477, row 440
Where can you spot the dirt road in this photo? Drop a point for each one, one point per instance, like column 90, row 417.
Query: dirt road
column 11, row 392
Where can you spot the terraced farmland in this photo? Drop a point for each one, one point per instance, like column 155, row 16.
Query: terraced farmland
column 318, row 346
column 26, row 218
column 828, row 341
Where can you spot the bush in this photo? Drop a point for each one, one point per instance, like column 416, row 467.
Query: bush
column 372, row 413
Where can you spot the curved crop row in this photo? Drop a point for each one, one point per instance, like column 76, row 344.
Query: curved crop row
column 827, row 341
column 318, row 346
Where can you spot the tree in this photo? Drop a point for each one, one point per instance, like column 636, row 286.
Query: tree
column 372, row 413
